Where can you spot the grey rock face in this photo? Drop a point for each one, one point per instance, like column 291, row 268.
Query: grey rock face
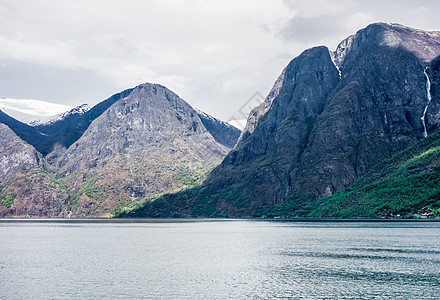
column 373, row 113
column 63, row 131
column 276, row 145
column 260, row 110
column 432, row 117
column 16, row 155
column 25, row 187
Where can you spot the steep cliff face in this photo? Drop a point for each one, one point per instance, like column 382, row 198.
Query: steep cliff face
column 265, row 158
column 330, row 117
column 25, row 187
column 374, row 112
column 432, row 116
column 145, row 144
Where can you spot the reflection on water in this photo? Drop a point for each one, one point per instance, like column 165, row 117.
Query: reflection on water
column 219, row 260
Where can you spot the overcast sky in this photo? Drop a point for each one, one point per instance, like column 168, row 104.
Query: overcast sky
column 213, row 54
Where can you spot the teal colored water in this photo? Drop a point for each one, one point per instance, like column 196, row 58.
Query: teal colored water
column 219, row 260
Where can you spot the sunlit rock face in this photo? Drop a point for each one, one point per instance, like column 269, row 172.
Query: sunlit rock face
column 25, row 187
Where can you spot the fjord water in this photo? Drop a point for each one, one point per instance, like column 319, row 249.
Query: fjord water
column 219, row 260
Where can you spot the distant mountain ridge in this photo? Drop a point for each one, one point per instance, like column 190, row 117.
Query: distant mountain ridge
column 31, row 110
column 78, row 110
column 222, row 132
column 330, row 117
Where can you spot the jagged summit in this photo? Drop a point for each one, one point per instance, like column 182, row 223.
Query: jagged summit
column 423, row 44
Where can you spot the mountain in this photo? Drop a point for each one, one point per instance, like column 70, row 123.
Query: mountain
column 330, row 117
column 138, row 143
column 25, row 187
column 54, row 136
column 147, row 143
column 23, row 130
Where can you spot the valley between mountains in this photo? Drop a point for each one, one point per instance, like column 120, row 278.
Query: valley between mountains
column 350, row 133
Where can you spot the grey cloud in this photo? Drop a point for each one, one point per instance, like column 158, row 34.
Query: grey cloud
column 33, row 81
column 306, row 30
column 215, row 55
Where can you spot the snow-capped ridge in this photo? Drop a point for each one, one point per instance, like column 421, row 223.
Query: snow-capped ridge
column 213, row 119
column 30, row 110
column 79, row 110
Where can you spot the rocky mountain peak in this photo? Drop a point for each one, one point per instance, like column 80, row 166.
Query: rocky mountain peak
column 297, row 68
column 423, row 44
column 155, row 140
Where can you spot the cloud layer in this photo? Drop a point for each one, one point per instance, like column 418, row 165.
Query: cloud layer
column 214, row 54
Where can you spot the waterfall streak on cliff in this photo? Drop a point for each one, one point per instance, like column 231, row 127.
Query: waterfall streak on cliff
column 428, row 93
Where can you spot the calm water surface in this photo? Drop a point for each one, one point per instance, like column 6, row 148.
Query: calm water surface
column 219, row 260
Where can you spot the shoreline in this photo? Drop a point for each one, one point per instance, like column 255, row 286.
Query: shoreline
column 194, row 220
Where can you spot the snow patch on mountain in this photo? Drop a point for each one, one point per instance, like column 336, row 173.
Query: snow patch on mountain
column 31, row 110
column 212, row 119
column 79, row 110
column 239, row 124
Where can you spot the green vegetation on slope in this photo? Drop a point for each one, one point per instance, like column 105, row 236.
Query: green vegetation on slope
column 407, row 185
column 199, row 201
column 6, row 199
